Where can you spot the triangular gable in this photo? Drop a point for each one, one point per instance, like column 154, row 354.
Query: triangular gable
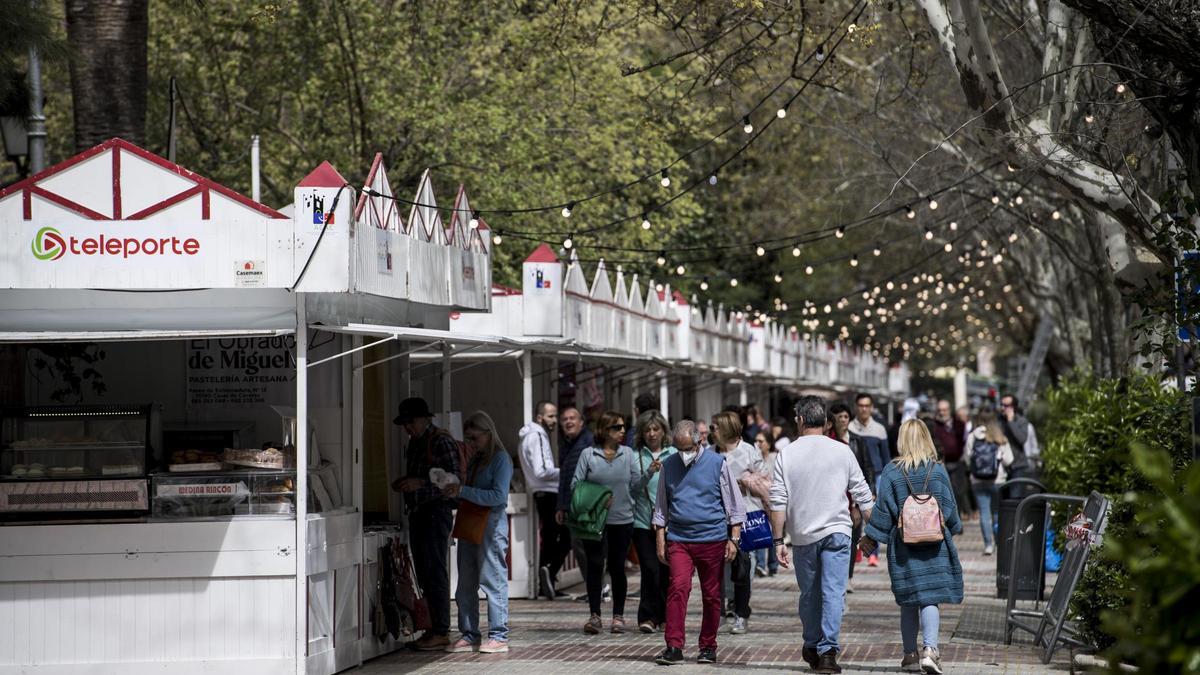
column 655, row 308
column 621, row 299
column 601, row 287
column 460, row 233
column 636, row 304
column 576, row 283
column 711, row 322
column 381, row 212
column 424, row 221
column 117, row 180
column 542, row 254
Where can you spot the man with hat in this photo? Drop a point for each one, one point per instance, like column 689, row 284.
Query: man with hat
column 430, row 515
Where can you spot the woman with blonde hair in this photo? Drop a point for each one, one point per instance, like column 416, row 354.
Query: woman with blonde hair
column 923, row 574
column 986, row 455
column 483, row 495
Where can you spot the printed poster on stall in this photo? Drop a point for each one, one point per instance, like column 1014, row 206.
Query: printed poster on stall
column 236, row 372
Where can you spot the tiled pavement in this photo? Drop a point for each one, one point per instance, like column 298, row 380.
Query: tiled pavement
column 546, row 636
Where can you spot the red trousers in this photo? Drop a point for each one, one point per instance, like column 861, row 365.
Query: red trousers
column 708, row 561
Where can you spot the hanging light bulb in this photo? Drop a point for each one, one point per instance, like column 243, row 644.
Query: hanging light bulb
column 666, row 180
column 820, row 53
column 779, row 277
column 781, row 113
column 854, row 261
column 498, row 238
column 704, row 284
column 733, row 282
column 808, row 269
column 1120, row 87
column 645, row 221
column 680, row 270
column 997, row 259
column 1089, row 118
column 566, row 212
column 933, row 205
column 890, row 285
column 948, row 247
column 877, row 252
column 760, row 251
column 840, row 232
column 1012, row 238
column 953, row 226
column 662, row 258
column 712, row 180
column 796, row 251
column 1019, row 200
column 995, row 198
column 568, row 242
column 909, row 213
column 474, row 223
column 746, row 125
column 1056, row 215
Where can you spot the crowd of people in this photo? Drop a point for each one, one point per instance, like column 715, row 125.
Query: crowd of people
column 817, row 494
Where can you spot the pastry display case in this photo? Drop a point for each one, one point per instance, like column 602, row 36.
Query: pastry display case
column 236, row 492
column 67, row 459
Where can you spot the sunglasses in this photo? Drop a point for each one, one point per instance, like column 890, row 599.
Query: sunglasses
column 616, row 427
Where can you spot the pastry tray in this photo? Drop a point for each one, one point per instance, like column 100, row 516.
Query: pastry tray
column 196, row 466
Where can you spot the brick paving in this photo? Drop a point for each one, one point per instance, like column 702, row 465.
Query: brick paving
column 546, row 637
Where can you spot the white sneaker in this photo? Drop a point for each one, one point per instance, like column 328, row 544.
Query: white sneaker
column 988, row 550
column 931, row 661
column 740, row 626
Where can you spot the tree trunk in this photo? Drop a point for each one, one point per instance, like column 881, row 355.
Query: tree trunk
column 108, row 69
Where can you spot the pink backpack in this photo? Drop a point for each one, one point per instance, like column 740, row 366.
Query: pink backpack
column 921, row 515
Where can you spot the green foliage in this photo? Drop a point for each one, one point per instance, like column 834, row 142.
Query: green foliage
column 1092, row 425
column 1159, row 629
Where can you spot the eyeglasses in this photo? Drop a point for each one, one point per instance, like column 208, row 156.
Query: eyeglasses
column 1007, row 405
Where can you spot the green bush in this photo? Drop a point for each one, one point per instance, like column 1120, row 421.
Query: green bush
column 1159, row 630
column 1092, row 424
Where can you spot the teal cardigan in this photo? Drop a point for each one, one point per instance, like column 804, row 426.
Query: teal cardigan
column 643, row 499
column 922, row 574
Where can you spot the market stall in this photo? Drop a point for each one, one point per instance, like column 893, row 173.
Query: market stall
column 182, row 453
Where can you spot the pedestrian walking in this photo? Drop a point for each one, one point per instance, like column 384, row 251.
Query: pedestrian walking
column 430, row 513
column 765, row 562
column 872, row 440
column 644, row 402
column 542, row 478
column 483, row 565
column 922, row 560
column 744, row 460
column 706, row 439
column 1017, row 429
column 613, row 466
column 988, row 455
column 698, row 516
column 653, row 448
column 574, row 439
column 950, row 434
column 808, row 502
column 782, row 432
column 839, row 414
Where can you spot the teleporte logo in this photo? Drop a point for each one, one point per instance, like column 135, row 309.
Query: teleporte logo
column 50, row 244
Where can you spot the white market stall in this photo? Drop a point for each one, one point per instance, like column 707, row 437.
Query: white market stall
column 194, row 330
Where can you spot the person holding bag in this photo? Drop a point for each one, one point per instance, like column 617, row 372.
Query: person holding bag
column 650, row 439
column 481, row 528
column 915, row 515
column 614, row 467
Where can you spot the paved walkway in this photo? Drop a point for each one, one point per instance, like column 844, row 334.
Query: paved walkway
column 547, row 637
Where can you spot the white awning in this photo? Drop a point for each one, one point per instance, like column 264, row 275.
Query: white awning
column 133, row 335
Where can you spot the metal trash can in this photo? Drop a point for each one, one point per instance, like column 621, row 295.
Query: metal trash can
column 1031, row 572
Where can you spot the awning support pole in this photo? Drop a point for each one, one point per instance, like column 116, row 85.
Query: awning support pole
column 531, row 550
column 396, row 356
column 301, row 442
column 347, row 352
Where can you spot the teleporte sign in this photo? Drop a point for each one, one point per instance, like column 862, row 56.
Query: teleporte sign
column 50, row 244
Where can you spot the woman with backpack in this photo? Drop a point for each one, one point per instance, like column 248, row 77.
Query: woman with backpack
column 986, row 455
column 915, row 515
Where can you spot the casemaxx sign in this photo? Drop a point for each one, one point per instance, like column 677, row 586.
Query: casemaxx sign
column 49, row 243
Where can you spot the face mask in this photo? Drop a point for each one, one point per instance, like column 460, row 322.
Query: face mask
column 688, row 456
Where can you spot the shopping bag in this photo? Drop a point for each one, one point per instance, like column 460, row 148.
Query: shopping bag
column 756, row 532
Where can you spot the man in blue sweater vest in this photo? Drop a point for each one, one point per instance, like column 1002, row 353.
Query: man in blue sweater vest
column 698, row 516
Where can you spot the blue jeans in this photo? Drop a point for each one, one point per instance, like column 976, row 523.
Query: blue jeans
column 927, row 618
column 985, row 493
column 765, row 558
column 483, row 566
column 821, row 572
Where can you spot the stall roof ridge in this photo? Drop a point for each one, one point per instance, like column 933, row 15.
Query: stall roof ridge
column 323, row 176
column 121, row 145
column 543, row 254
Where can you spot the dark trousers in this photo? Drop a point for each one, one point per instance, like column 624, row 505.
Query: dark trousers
column 655, row 581
column 555, row 538
column 429, row 528
column 616, row 538
column 961, row 482
column 740, row 574
column 855, row 537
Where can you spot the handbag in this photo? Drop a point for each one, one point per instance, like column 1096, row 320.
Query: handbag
column 921, row 515
column 756, row 532
column 470, row 521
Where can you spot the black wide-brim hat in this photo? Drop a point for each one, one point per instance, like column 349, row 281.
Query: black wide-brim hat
column 411, row 409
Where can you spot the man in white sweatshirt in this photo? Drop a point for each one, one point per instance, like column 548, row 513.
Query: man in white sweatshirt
column 808, row 500
column 541, row 476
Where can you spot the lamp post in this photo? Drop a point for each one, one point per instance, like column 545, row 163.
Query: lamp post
column 16, row 142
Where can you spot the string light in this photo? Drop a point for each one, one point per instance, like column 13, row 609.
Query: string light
column 662, row 258
column 746, row 125
column 760, row 251
column 779, row 277
column 953, row 226
column 712, row 180
column 498, row 238
column 1019, row 200
column 666, row 179
column 568, row 243
column 840, row 232
column 1121, row 88
column 909, row 213
column 704, row 284
column 854, row 261
column 948, row 247
column 645, row 221
column 1089, row 118
column 933, row 205
column 474, row 220
column 796, row 251
column 733, row 282
column 1055, row 215
column 995, row 198
column 680, row 270
column 566, row 212
column 876, row 252
column 820, row 53
column 808, row 269
column 781, row 113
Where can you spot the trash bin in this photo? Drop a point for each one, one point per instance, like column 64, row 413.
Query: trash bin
column 1031, row 573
